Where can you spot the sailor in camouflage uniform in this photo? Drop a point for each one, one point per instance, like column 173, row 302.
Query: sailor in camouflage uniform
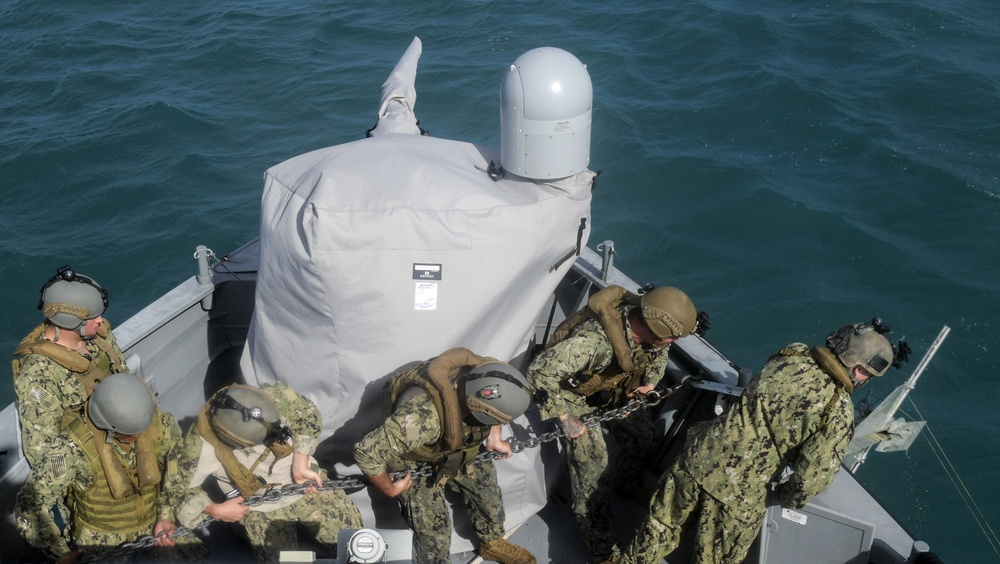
column 796, row 414
column 104, row 472
column 251, row 440
column 440, row 412
column 58, row 364
column 598, row 359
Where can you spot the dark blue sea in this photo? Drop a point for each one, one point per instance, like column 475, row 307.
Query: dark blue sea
column 794, row 166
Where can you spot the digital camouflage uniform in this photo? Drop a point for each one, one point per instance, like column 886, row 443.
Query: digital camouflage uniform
column 588, row 350
column 66, row 466
column 45, row 390
column 416, row 422
column 792, row 415
column 272, row 525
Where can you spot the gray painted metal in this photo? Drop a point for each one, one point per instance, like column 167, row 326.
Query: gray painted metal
column 178, row 346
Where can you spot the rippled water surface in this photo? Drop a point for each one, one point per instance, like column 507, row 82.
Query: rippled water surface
column 793, row 166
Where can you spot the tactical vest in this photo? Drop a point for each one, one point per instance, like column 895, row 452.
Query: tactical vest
column 243, row 478
column 831, row 365
column 88, row 371
column 610, row 307
column 121, row 499
column 459, row 443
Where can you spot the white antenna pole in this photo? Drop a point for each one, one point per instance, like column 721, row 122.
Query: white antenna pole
column 878, row 421
column 912, row 381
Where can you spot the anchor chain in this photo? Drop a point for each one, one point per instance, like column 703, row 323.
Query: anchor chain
column 652, row 398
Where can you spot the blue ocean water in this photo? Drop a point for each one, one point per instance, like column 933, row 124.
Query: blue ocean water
column 793, row 166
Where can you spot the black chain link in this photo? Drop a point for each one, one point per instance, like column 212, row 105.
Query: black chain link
column 652, row 398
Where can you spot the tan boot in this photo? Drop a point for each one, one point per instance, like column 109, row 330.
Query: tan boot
column 505, row 552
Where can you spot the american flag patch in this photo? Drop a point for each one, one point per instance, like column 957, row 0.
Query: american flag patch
column 878, row 363
column 58, row 464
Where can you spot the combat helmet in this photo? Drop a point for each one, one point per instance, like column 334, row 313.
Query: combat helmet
column 669, row 312
column 861, row 344
column 495, row 393
column 243, row 416
column 122, row 404
column 69, row 299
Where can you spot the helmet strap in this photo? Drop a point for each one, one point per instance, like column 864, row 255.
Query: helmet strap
column 55, row 338
column 109, row 437
column 477, row 405
column 276, row 432
column 493, row 374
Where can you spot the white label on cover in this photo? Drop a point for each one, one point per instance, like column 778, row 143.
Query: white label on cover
column 799, row 518
column 426, row 296
column 425, row 271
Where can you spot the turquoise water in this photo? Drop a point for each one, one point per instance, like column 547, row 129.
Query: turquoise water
column 794, row 167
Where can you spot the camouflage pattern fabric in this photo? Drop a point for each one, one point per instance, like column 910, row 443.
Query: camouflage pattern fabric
column 302, row 415
column 44, row 390
column 188, row 548
column 191, row 467
column 723, row 533
column 590, row 481
column 588, row 349
column 67, row 466
column 636, row 436
column 777, row 423
column 415, row 422
column 322, row 515
column 271, row 526
column 426, row 511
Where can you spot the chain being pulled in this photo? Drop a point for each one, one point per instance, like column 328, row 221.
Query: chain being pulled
column 652, row 398
column 273, row 494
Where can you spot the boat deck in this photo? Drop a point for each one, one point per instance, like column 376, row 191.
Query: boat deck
column 188, row 350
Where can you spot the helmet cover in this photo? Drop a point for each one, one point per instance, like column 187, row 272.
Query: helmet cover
column 669, row 312
column 860, row 344
column 244, row 416
column 495, row 393
column 69, row 299
column 122, row 404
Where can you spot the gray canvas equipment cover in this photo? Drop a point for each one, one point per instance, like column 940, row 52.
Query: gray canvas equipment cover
column 391, row 249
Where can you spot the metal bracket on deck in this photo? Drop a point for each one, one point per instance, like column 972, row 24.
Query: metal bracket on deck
column 716, row 387
column 607, row 249
column 205, row 277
